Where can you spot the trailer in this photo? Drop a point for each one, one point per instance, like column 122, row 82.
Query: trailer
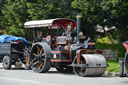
column 12, row 53
column 63, row 48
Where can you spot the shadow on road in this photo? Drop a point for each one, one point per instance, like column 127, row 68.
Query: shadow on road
column 17, row 69
column 99, row 76
column 56, row 72
column 1, row 67
column 125, row 81
column 14, row 68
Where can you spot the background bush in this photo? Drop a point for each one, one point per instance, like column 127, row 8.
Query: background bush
column 119, row 47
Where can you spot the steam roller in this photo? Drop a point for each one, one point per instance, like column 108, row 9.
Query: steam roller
column 67, row 51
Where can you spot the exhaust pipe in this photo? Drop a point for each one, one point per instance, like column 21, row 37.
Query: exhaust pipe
column 78, row 17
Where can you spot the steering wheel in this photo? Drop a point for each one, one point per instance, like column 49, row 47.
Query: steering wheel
column 60, row 33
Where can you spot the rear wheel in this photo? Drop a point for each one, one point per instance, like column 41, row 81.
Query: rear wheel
column 7, row 62
column 41, row 55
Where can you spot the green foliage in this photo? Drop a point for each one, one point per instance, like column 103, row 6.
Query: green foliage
column 105, row 13
column 119, row 47
column 114, row 66
column 107, row 40
column 48, row 9
column 1, row 15
column 15, row 14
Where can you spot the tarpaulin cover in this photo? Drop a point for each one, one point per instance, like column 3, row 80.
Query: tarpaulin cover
column 9, row 38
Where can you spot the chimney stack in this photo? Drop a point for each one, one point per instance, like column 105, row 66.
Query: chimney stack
column 78, row 17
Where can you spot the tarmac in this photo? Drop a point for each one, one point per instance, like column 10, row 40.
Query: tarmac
column 111, row 74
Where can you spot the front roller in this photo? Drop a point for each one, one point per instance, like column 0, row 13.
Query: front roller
column 40, row 57
column 90, row 65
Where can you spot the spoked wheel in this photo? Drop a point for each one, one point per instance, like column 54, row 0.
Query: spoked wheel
column 80, row 71
column 7, row 62
column 66, row 69
column 40, row 57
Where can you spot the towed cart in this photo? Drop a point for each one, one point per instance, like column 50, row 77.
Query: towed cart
column 12, row 50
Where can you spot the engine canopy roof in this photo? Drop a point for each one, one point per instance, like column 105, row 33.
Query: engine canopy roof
column 51, row 23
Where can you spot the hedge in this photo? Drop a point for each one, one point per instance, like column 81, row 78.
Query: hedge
column 119, row 47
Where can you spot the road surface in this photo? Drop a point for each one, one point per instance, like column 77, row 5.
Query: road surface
column 28, row 77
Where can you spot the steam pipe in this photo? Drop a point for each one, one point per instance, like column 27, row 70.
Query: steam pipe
column 78, row 17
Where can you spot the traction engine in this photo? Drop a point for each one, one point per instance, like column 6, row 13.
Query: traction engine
column 67, row 51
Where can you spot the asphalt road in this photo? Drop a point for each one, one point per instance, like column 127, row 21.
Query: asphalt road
column 28, row 77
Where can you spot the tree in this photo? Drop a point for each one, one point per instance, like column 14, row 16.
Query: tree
column 1, row 14
column 47, row 9
column 15, row 14
column 91, row 12
column 106, row 13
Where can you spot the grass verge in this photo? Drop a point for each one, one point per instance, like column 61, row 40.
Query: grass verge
column 114, row 66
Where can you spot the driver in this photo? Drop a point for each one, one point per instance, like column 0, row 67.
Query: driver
column 39, row 36
column 68, row 32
